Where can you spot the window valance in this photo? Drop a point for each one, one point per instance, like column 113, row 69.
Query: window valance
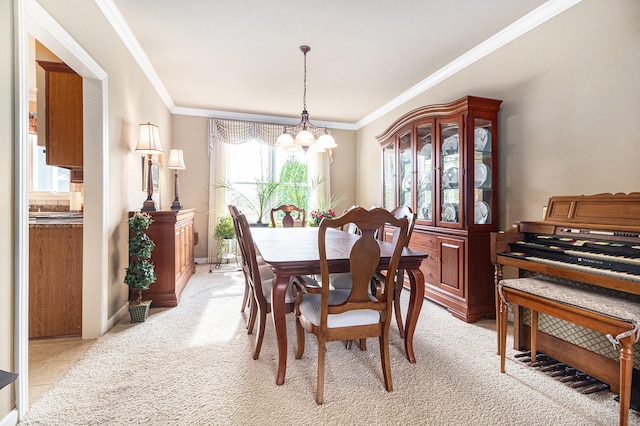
column 239, row 132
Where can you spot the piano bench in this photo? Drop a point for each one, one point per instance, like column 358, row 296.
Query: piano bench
column 614, row 316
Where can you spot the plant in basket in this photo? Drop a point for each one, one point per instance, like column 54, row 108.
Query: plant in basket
column 140, row 273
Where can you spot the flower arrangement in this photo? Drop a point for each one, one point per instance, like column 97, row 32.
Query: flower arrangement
column 317, row 216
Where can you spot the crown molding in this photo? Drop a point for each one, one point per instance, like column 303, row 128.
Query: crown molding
column 287, row 121
column 115, row 18
column 523, row 25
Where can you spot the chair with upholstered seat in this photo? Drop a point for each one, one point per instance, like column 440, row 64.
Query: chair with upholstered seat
column 379, row 277
column 259, row 279
column 354, row 313
column 288, row 221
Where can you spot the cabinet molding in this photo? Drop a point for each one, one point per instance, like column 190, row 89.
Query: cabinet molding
column 442, row 162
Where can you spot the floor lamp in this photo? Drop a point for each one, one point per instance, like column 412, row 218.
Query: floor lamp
column 149, row 144
column 176, row 162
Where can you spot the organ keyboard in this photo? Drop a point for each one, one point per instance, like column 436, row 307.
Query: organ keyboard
column 592, row 240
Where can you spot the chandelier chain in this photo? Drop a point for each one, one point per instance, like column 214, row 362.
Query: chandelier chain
column 304, row 95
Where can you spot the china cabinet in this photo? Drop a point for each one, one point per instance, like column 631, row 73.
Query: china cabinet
column 442, row 162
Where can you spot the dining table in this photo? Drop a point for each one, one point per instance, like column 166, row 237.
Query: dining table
column 294, row 251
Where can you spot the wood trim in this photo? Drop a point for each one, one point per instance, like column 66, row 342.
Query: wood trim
column 432, row 111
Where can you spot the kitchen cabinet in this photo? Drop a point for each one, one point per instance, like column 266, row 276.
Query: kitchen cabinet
column 55, row 280
column 442, row 162
column 63, row 115
column 172, row 232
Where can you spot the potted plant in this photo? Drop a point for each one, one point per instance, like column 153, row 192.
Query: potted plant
column 223, row 234
column 260, row 203
column 140, row 273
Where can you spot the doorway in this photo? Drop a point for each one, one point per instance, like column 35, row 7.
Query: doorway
column 32, row 19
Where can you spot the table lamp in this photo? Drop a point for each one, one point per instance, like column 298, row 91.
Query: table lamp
column 176, row 162
column 149, row 144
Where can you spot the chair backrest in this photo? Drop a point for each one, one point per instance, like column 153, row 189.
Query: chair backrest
column 287, row 220
column 403, row 211
column 364, row 258
column 351, row 228
column 248, row 249
column 234, row 212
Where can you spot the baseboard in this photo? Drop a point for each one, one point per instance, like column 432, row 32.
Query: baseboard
column 10, row 419
column 201, row 260
column 122, row 312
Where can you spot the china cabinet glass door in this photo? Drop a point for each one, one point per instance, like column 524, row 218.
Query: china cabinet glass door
column 451, row 178
column 405, row 170
column 389, row 185
column 424, row 165
column 482, row 161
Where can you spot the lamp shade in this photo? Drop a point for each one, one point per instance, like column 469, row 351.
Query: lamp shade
column 149, row 140
column 304, row 138
column 176, row 161
column 326, row 141
column 284, row 140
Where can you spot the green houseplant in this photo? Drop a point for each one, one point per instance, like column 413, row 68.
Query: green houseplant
column 224, row 232
column 259, row 203
column 140, row 273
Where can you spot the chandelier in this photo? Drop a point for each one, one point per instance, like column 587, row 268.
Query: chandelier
column 304, row 135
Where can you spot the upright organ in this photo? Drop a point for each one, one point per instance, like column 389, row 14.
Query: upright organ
column 590, row 241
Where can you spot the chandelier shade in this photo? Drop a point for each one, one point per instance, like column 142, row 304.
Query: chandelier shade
column 304, row 135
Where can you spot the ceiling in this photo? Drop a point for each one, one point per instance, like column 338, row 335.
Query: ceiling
column 242, row 56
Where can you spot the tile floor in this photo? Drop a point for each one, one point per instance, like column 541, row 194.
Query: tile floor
column 49, row 359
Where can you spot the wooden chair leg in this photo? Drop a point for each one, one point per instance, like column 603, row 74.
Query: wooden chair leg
column 502, row 347
column 245, row 298
column 300, row 336
column 362, row 344
column 386, row 362
column 322, row 352
column 396, row 300
column 252, row 314
column 534, row 335
column 262, row 320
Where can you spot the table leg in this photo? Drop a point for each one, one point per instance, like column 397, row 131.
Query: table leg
column 278, row 311
column 416, row 280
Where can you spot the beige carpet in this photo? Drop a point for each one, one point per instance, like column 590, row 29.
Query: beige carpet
column 192, row 365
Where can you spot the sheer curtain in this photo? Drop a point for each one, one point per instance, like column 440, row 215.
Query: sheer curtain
column 225, row 133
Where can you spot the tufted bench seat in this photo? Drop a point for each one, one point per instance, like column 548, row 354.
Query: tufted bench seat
column 612, row 315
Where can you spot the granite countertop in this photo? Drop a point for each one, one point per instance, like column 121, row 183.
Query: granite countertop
column 48, row 219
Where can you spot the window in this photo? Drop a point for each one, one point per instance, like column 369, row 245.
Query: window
column 251, row 165
column 46, row 178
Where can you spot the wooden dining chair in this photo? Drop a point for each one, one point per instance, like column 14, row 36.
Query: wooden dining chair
column 380, row 276
column 265, row 270
column 234, row 212
column 260, row 284
column 351, row 314
column 288, row 220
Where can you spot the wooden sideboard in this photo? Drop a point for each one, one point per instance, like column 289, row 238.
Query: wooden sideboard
column 172, row 256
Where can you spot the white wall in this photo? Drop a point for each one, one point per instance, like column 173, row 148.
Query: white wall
column 7, row 400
